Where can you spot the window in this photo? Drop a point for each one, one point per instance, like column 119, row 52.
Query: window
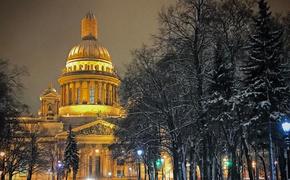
column 120, row 162
column 78, row 95
column 120, row 173
column 92, row 95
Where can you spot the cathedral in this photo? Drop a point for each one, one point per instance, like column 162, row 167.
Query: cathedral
column 88, row 102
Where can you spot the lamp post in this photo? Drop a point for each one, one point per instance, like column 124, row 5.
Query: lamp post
column 286, row 129
column 2, row 154
column 139, row 153
column 59, row 169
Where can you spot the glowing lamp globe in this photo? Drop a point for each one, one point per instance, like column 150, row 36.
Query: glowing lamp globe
column 2, row 154
column 59, row 164
column 286, row 127
column 139, row 152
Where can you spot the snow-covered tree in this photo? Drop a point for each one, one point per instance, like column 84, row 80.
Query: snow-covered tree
column 71, row 155
column 265, row 85
column 187, row 86
column 266, row 91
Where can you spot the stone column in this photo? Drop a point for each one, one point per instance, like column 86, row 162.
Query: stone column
column 62, row 95
column 67, row 94
column 81, row 92
column 100, row 92
column 103, row 93
column 73, row 93
column 95, row 83
column 117, row 97
column 88, row 92
column 113, row 94
column 107, row 94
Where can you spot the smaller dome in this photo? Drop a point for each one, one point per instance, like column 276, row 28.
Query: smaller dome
column 49, row 90
column 89, row 49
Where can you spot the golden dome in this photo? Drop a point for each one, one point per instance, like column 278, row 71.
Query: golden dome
column 89, row 49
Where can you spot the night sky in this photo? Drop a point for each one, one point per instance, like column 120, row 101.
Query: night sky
column 39, row 33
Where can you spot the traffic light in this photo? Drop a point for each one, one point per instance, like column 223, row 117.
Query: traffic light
column 227, row 163
column 159, row 163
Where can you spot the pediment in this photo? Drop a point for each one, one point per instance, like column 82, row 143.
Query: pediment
column 95, row 128
column 50, row 95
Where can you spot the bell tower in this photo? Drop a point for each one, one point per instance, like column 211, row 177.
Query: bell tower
column 50, row 100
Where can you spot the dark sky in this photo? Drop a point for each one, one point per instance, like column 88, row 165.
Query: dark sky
column 39, row 33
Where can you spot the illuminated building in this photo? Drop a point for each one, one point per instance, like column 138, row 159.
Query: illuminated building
column 88, row 101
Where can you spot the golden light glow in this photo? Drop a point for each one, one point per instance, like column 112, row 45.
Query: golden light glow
column 254, row 164
column 88, row 65
column 2, row 154
column 91, row 110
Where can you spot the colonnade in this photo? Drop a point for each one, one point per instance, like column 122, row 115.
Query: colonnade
column 88, row 92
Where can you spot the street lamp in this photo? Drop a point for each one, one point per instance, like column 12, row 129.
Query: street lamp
column 139, row 153
column 286, row 128
column 59, row 169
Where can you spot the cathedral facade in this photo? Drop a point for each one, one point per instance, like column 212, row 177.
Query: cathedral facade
column 88, row 102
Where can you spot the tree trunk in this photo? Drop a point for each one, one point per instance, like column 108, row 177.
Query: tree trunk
column 265, row 168
column 282, row 163
column 29, row 174
column 151, row 172
column 234, row 168
column 145, row 172
column 66, row 175
column 10, row 176
column 175, row 165
column 248, row 158
column 192, row 163
column 156, row 174
column 205, row 165
column 74, row 176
